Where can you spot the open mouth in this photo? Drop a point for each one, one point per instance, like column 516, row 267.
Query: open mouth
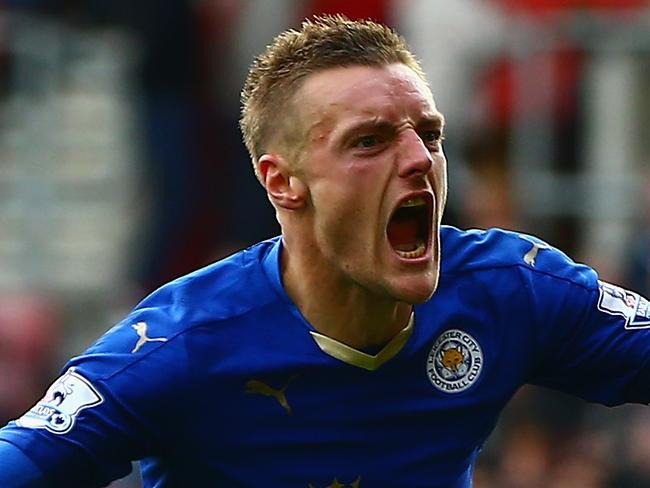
column 409, row 228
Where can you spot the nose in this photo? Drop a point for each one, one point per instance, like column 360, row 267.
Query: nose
column 414, row 156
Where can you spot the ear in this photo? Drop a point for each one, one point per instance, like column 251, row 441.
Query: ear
column 284, row 189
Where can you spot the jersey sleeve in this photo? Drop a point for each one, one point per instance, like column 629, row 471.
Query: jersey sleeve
column 592, row 337
column 105, row 409
column 17, row 470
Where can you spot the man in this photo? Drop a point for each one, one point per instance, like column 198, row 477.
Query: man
column 368, row 346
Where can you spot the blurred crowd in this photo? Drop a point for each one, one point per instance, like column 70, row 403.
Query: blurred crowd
column 122, row 167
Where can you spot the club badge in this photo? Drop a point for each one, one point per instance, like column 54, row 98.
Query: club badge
column 455, row 361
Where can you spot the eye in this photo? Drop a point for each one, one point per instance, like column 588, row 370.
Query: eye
column 432, row 138
column 367, row 142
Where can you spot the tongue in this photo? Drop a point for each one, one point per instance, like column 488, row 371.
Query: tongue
column 403, row 234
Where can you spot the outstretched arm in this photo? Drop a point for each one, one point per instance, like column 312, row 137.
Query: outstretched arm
column 17, row 470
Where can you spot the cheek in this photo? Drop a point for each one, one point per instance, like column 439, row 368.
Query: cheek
column 343, row 222
column 342, row 215
column 440, row 166
column 440, row 180
column 348, row 189
column 347, row 202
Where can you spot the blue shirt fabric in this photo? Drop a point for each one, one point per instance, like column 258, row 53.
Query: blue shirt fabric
column 227, row 387
column 17, row 470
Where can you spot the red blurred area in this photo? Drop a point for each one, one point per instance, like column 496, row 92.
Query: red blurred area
column 30, row 335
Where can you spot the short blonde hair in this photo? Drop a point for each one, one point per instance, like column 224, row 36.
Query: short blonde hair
column 321, row 43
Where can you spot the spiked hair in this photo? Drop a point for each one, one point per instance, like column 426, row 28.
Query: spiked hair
column 321, row 43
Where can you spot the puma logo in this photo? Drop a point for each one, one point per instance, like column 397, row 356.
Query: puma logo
column 141, row 330
column 256, row 386
column 531, row 256
column 337, row 484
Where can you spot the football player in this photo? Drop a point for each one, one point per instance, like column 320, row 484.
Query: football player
column 368, row 345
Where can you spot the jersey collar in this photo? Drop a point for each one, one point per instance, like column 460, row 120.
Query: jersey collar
column 361, row 359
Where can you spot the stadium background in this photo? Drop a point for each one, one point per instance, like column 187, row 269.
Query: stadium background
column 121, row 167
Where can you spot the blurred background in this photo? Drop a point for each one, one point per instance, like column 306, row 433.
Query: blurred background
column 122, row 167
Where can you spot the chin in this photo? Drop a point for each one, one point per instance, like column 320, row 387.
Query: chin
column 415, row 291
column 416, row 298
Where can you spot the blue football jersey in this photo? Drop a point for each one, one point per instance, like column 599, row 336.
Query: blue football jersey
column 217, row 380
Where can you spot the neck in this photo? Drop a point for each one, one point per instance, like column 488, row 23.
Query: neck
column 337, row 307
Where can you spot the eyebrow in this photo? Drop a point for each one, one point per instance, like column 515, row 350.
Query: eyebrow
column 434, row 119
column 382, row 125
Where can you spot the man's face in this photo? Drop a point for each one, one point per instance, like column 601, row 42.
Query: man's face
column 376, row 177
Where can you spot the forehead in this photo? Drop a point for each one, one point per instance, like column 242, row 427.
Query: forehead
column 338, row 95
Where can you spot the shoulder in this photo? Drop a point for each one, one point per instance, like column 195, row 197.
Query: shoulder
column 475, row 250
column 184, row 314
column 227, row 288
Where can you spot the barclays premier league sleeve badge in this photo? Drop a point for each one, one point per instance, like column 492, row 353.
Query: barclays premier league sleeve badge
column 63, row 401
column 615, row 300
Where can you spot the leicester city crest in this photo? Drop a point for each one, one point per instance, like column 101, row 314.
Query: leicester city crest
column 455, row 361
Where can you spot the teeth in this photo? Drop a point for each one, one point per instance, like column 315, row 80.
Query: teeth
column 414, row 202
column 416, row 253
